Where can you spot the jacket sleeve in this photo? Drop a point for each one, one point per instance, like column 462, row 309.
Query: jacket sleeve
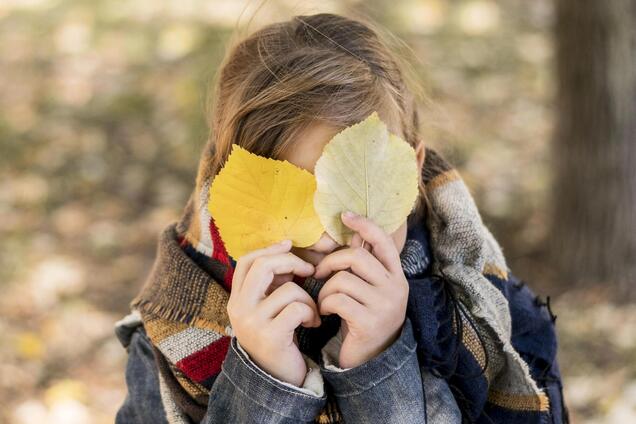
column 244, row 393
column 143, row 399
column 241, row 393
column 387, row 388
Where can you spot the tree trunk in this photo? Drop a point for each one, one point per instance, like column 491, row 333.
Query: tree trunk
column 593, row 237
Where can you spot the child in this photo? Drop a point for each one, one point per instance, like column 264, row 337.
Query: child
column 423, row 325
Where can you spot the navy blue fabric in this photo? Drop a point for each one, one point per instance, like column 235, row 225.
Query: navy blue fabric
column 431, row 307
column 143, row 399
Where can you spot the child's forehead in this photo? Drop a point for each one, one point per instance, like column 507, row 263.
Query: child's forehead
column 305, row 150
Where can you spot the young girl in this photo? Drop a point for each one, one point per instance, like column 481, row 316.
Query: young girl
column 423, row 325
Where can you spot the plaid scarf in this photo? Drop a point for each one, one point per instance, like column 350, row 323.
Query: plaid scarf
column 183, row 306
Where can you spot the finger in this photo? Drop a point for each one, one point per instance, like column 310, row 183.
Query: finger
column 361, row 262
column 357, row 241
column 293, row 315
column 349, row 284
column 264, row 268
column 244, row 262
column 279, row 280
column 348, row 308
column 288, row 293
column 383, row 246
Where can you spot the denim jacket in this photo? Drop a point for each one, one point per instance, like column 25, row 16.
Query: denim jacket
column 397, row 386
column 389, row 388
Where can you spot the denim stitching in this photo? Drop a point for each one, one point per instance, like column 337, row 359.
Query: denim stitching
column 251, row 398
column 349, row 394
column 275, row 384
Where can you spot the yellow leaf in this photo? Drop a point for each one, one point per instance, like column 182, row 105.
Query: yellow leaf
column 370, row 171
column 256, row 201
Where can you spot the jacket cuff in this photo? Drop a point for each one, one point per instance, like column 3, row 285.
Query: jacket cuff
column 352, row 381
column 331, row 352
column 269, row 392
column 313, row 384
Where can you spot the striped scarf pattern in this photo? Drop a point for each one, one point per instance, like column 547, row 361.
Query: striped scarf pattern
column 183, row 302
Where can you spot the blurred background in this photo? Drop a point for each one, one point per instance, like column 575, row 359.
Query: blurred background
column 102, row 122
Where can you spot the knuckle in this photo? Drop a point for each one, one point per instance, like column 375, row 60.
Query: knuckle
column 298, row 308
column 340, row 276
column 290, row 288
column 296, row 260
column 248, row 256
column 360, row 252
column 340, row 299
column 259, row 262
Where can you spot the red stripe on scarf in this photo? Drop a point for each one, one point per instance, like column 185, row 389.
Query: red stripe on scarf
column 206, row 362
column 220, row 253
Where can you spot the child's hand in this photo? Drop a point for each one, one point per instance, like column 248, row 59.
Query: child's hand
column 372, row 300
column 264, row 322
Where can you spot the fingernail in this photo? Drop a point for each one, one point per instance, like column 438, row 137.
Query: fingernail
column 285, row 242
column 349, row 214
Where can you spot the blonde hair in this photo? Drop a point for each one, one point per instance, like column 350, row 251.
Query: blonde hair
column 282, row 78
